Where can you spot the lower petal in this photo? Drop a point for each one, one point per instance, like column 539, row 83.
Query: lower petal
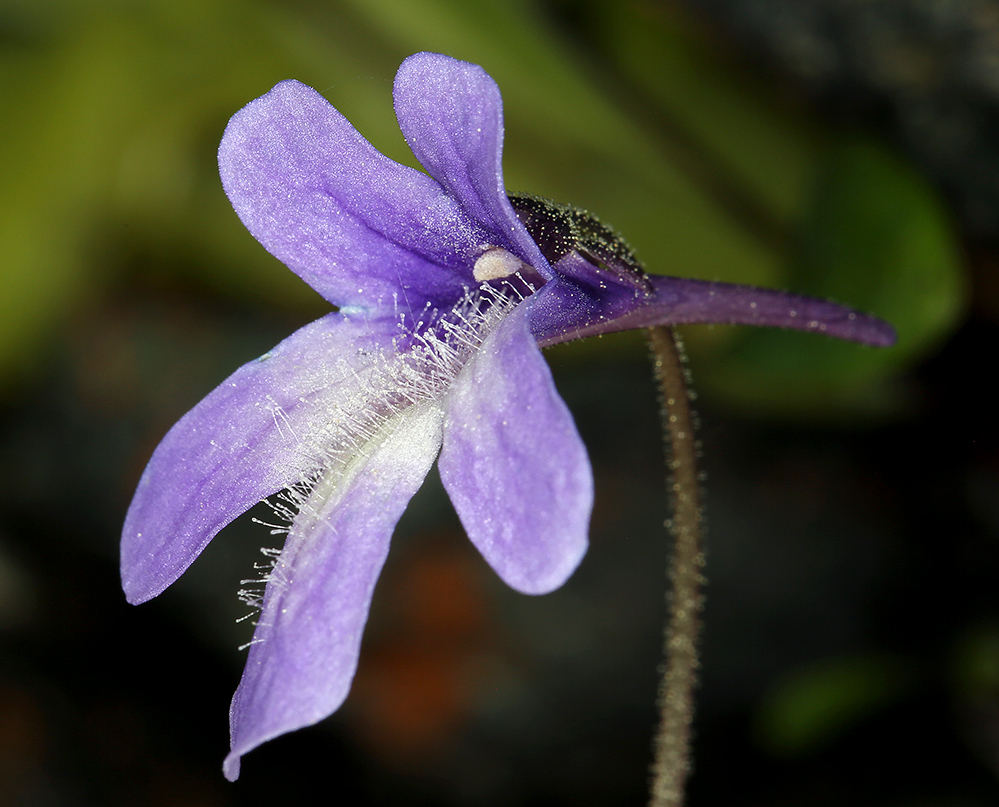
column 514, row 464
column 246, row 440
column 305, row 648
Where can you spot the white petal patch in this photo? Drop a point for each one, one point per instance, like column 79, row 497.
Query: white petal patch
column 495, row 263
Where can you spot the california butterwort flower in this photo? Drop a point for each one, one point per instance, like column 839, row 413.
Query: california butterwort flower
column 445, row 290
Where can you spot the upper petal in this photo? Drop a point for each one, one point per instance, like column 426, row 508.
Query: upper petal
column 514, row 464
column 305, row 648
column 250, row 437
column 451, row 113
column 360, row 229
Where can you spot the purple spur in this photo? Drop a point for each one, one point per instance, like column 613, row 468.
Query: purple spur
column 445, row 290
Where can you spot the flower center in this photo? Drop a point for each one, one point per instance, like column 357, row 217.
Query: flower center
column 495, row 263
column 417, row 368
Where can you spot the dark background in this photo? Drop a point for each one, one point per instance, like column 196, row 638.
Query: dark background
column 851, row 647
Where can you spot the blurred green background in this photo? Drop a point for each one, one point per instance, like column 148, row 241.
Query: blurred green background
column 853, row 622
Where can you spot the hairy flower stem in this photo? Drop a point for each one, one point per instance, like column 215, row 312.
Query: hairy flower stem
column 676, row 692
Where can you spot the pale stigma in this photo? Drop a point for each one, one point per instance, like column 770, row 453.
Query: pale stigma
column 495, row 263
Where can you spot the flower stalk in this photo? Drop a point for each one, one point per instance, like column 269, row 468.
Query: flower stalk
column 685, row 599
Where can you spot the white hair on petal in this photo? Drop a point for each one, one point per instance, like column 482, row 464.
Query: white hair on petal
column 419, row 367
column 252, row 594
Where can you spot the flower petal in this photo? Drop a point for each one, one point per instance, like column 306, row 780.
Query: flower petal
column 575, row 307
column 451, row 114
column 305, row 648
column 247, row 439
column 514, row 464
column 360, row 229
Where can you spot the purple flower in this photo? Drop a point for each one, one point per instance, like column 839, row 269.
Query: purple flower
column 446, row 289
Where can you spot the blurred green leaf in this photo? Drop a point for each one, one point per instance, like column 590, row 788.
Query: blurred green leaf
column 974, row 666
column 109, row 163
column 816, row 704
column 710, row 103
column 876, row 237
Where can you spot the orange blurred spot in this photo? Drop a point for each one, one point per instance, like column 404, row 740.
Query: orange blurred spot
column 417, row 675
